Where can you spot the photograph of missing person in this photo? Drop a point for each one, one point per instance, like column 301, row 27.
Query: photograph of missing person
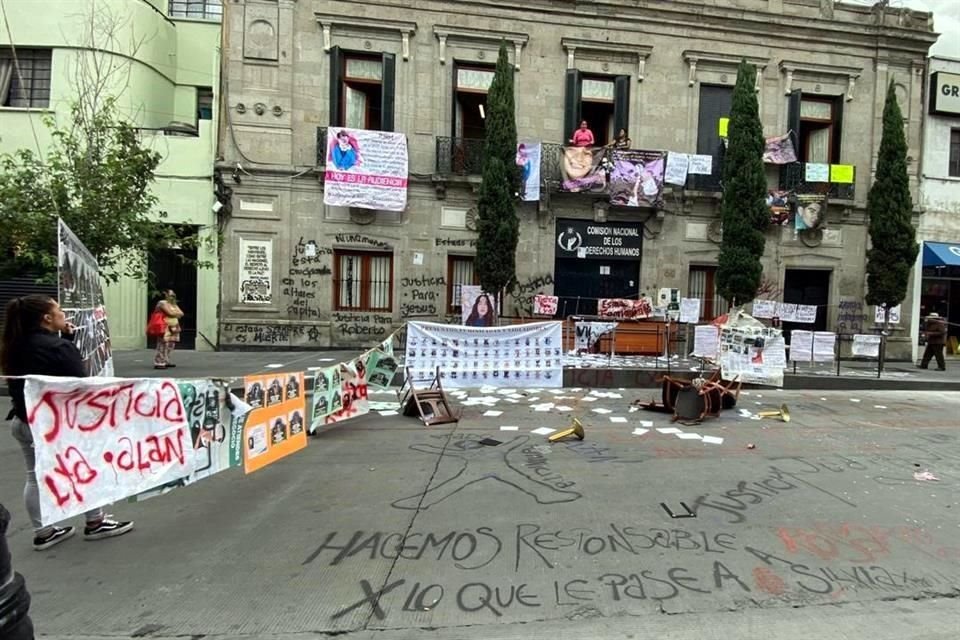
column 296, row 423
column 293, row 387
column 274, row 392
column 279, row 431
column 253, row 395
column 257, row 441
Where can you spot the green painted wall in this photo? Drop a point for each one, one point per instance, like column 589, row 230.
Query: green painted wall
column 160, row 63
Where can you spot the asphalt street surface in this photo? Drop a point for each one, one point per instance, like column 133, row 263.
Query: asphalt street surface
column 384, row 528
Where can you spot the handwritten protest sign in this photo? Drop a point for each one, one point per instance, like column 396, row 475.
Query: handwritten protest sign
column 99, row 441
column 366, row 169
column 276, row 426
column 545, row 305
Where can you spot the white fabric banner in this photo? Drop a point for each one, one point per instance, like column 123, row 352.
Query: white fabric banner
column 764, row 308
column 806, row 313
column 98, row 441
column 706, row 341
column 866, row 346
column 366, row 169
column 755, row 354
column 700, row 165
column 677, row 166
column 801, row 346
column 81, row 298
column 588, row 333
column 879, row 313
column 528, row 159
column 689, row 309
column 523, row 355
column 824, row 346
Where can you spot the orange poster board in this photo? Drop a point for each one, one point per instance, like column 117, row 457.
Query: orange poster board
column 276, row 427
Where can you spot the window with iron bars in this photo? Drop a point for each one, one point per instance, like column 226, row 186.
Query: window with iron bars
column 202, row 9
column 460, row 272
column 25, row 80
column 362, row 281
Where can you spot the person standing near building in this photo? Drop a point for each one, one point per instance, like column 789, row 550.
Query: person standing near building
column 171, row 336
column 582, row 137
column 936, row 329
column 38, row 340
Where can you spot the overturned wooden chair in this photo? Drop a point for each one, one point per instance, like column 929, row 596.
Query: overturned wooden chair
column 706, row 399
column 426, row 399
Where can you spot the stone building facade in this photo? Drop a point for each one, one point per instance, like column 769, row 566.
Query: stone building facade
column 665, row 73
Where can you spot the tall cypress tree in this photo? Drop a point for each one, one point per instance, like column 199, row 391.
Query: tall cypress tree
column 893, row 238
column 743, row 209
column 498, row 225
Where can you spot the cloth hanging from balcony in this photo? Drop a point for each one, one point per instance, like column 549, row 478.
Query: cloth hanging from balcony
column 779, row 150
column 780, row 207
column 583, row 170
column 589, row 333
column 528, row 159
column 636, row 178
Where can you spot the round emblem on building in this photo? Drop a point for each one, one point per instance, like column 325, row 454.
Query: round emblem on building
column 570, row 240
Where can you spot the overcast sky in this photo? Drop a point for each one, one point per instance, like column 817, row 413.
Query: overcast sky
column 946, row 20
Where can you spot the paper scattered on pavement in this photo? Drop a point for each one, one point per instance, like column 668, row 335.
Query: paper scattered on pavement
column 617, row 419
column 669, row 430
column 563, row 408
column 388, row 412
column 689, row 436
column 509, row 428
column 879, row 406
column 712, row 440
column 273, row 366
column 543, row 431
column 602, row 411
column 493, row 414
column 854, row 399
column 589, row 399
column 646, row 423
column 639, row 432
column 925, row 475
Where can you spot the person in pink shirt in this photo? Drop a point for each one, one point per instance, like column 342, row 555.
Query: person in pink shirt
column 582, row 137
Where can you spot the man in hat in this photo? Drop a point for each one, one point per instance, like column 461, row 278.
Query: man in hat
column 936, row 329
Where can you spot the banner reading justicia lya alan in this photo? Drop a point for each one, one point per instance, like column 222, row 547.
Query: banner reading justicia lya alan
column 366, row 169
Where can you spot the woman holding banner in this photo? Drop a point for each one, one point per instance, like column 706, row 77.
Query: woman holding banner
column 38, row 340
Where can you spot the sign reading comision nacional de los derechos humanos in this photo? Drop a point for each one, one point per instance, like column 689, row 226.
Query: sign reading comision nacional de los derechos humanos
column 588, row 239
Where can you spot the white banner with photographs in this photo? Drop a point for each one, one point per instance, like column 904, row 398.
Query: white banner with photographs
column 754, row 354
column 366, row 169
column 81, row 298
column 523, row 355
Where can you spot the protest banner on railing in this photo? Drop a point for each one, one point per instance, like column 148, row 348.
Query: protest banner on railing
column 276, row 425
column 98, row 441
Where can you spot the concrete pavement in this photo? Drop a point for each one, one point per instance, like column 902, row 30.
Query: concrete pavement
column 384, row 528
column 593, row 371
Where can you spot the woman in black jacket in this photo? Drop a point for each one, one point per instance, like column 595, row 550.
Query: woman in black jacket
column 32, row 345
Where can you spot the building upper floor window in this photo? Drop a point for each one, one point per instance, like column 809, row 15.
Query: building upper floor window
column 816, row 122
column 602, row 101
column 204, row 103
column 203, row 9
column 362, row 280
column 28, row 86
column 471, row 84
column 362, row 89
column 955, row 153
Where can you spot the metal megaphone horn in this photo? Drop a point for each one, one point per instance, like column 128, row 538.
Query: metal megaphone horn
column 783, row 414
column 576, row 429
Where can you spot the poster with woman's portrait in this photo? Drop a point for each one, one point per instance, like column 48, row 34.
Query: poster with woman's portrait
column 477, row 308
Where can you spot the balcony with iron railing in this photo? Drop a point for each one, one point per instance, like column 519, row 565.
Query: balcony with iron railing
column 458, row 157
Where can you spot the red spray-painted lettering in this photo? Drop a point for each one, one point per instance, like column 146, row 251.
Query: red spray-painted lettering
column 73, row 469
column 89, row 410
column 152, row 453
